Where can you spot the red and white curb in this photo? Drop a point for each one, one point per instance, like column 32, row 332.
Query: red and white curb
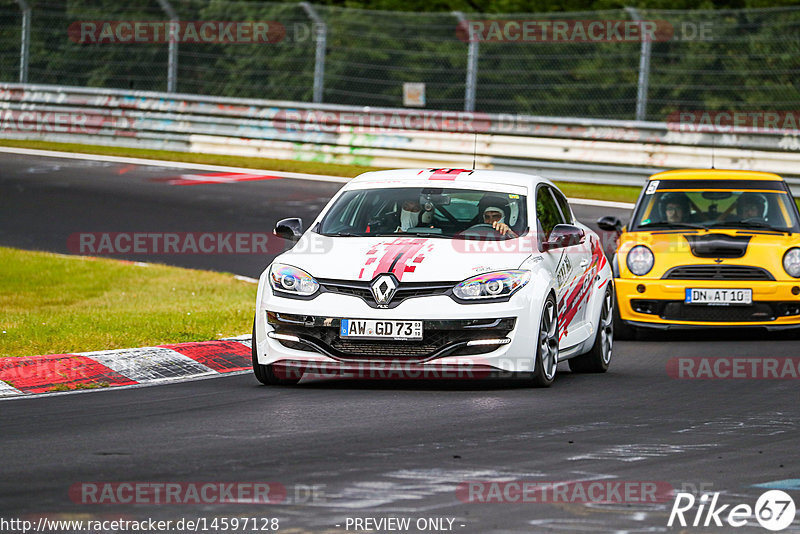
column 126, row 367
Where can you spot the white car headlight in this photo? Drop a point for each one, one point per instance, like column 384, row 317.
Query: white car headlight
column 640, row 260
column 791, row 262
column 494, row 285
column 288, row 279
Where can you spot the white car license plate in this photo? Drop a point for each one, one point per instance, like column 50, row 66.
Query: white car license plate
column 372, row 329
column 719, row 297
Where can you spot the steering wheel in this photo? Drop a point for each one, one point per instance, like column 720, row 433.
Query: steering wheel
column 480, row 230
column 756, row 219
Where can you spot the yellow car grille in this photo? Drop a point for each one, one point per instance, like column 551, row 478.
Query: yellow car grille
column 717, row 272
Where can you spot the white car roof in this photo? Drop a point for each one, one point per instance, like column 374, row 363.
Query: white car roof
column 458, row 178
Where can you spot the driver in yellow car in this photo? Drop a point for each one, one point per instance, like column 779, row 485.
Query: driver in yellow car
column 751, row 206
column 495, row 216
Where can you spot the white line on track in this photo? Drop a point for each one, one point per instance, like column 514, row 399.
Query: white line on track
column 247, row 170
column 120, row 388
column 170, row 164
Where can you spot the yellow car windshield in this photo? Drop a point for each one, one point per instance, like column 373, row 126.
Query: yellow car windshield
column 762, row 207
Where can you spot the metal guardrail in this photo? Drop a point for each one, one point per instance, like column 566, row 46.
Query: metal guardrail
column 696, row 58
column 581, row 150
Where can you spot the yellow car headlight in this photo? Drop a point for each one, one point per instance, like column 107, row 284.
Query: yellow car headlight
column 791, row 262
column 640, row 260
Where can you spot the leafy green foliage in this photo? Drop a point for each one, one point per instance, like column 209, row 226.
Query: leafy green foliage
column 722, row 57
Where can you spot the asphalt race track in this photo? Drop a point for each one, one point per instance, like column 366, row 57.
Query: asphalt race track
column 380, row 449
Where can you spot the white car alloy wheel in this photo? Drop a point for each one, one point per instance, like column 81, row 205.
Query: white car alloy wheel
column 606, row 331
column 547, row 349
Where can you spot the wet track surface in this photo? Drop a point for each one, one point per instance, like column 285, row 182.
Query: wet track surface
column 46, row 200
column 373, row 449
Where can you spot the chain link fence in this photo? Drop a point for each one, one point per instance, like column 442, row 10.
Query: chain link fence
column 591, row 64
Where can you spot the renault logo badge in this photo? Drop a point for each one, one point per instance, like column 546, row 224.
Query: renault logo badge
column 383, row 288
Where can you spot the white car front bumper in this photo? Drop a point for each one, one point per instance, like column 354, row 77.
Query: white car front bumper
column 445, row 351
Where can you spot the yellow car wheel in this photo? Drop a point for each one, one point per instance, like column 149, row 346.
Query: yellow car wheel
column 623, row 330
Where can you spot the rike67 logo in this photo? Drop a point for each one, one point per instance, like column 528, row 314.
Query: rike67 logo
column 774, row 510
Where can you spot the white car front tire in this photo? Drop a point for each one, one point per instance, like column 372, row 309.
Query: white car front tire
column 547, row 347
column 266, row 373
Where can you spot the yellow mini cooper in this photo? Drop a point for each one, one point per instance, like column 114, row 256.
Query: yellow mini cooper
column 708, row 248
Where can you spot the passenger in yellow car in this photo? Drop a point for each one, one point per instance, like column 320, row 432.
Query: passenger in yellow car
column 676, row 208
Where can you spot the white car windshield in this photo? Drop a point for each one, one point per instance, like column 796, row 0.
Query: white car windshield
column 435, row 212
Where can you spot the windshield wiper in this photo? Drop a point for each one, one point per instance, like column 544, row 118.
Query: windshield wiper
column 747, row 224
column 428, row 234
column 408, row 234
column 389, row 234
column 343, row 234
column 665, row 224
column 483, row 238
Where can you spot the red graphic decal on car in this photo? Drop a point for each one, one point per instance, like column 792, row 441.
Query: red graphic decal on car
column 446, row 174
column 576, row 299
column 396, row 258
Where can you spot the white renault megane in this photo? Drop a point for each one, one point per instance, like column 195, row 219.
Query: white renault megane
column 436, row 273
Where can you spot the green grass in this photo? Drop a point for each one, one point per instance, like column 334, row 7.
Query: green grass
column 617, row 193
column 575, row 190
column 55, row 304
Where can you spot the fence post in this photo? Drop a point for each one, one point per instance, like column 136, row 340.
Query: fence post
column 25, row 41
column 472, row 64
column 321, row 38
column 644, row 70
column 172, row 61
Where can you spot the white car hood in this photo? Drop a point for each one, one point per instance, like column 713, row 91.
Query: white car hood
column 411, row 259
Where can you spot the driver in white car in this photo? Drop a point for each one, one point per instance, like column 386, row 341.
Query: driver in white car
column 495, row 216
